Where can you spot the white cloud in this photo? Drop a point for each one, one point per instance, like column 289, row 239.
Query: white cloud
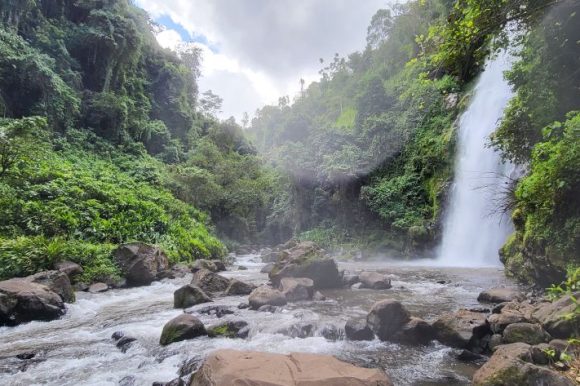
column 261, row 48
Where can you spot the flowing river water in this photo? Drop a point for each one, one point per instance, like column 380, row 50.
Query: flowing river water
column 78, row 350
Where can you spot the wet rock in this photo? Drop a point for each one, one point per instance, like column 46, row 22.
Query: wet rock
column 296, row 289
column 386, row 318
column 98, row 287
column 128, row 380
column 512, row 364
column 56, row 281
column 217, row 310
column 500, row 295
column 243, row 306
column 124, row 343
column 203, row 264
column 299, row 330
column 318, row 296
column 348, row 279
column 69, row 268
column 357, row 329
column 210, row 282
column 415, row 332
column 22, row 301
column 117, row 335
column 26, row 355
column 468, row 356
column 558, row 317
column 229, row 329
column 307, row 260
column 231, row 367
column 242, row 268
column 461, row 329
column 81, row 287
column 238, row 287
column 189, row 295
column 332, row 332
column 174, row 382
column 264, row 295
column 526, row 333
column 267, row 268
column 220, row 265
column 140, row 263
column 268, row 308
column 182, row 327
column 374, row 280
column 189, row 366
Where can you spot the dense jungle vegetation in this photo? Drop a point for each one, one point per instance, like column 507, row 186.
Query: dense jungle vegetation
column 105, row 139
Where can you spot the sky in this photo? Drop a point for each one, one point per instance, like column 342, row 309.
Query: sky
column 255, row 51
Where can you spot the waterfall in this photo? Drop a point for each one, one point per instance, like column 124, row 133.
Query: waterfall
column 472, row 231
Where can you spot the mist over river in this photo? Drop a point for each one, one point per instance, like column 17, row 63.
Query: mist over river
column 78, row 350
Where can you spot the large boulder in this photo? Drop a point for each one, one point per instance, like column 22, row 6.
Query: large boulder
column 374, row 280
column 189, row 295
column 386, row 318
column 499, row 295
column 296, row 289
column 415, row 332
column 140, row 263
column 57, row 282
column 512, row 312
column 307, row 260
column 231, row 368
column 526, row 333
column 209, row 281
column 22, row 301
column 357, row 329
column 461, row 329
column 265, row 295
column 180, row 328
column 512, row 364
column 559, row 317
column 69, row 268
column 237, row 287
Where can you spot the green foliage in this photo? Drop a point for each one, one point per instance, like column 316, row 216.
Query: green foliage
column 547, row 214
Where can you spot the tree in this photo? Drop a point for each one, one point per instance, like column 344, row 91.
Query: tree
column 379, row 29
column 19, row 138
column 210, row 104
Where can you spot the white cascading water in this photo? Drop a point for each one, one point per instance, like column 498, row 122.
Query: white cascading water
column 473, row 231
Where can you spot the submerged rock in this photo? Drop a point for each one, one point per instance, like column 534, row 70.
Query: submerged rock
column 386, row 318
column 264, row 295
column 357, row 329
column 210, row 282
column 182, row 327
column 189, row 295
column 229, row 329
column 231, row 367
column 374, row 280
column 140, row 263
column 22, row 301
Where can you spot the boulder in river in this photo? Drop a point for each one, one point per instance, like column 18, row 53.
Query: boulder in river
column 526, row 333
column 513, row 364
column 296, row 289
column 307, row 260
column 237, row 287
column 180, row 328
column 386, row 318
column 69, row 268
column 461, row 329
column 232, row 367
column 210, row 282
column 57, row 282
column 267, row 268
column 140, row 263
column 22, row 301
column 415, row 332
column 348, row 279
column 499, row 295
column 229, row 329
column 357, row 329
column 374, row 280
column 189, row 295
column 265, row 295
column 96, row 288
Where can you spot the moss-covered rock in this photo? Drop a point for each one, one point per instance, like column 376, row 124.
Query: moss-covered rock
column 180, row 328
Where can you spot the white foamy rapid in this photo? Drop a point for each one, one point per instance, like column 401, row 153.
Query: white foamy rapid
column 473, row 230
